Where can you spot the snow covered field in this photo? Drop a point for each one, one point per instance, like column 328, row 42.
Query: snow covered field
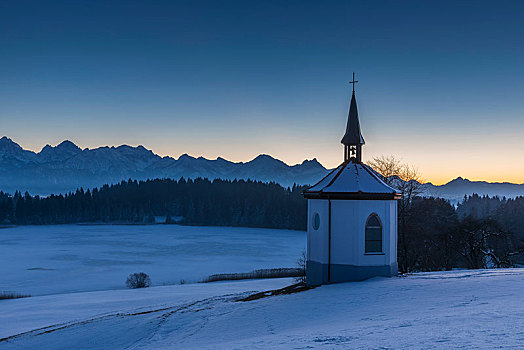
column 41, row 260
column 460, row 309
column 76, row 275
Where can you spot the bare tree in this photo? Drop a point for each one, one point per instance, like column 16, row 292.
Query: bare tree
column 387, row 167
column 399, row 175
column 301, row 263
column 482, row 244
column 407, row 180
column 138, row 280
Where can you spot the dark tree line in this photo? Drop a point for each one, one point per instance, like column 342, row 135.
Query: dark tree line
column 191, row 202
column 433, row 235
column 507, row 213
column 481, row 232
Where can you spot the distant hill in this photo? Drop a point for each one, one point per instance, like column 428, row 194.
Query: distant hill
column 65, row 167
column 455, row 190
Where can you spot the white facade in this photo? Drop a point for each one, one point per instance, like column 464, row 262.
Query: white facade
column 336, row 248
column 339, row 254
column 348, row 225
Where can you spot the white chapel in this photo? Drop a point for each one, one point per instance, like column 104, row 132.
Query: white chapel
column 352, row 218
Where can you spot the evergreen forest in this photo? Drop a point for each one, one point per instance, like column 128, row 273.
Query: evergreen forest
column 433, row 234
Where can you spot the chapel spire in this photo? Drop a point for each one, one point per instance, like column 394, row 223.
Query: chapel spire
column 353, row 139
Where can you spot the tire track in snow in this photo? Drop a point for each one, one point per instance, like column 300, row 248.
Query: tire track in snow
column 163, row 318
column 159, row 332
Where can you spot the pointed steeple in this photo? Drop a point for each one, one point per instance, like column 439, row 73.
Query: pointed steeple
column 353, row 139
column 353, row 135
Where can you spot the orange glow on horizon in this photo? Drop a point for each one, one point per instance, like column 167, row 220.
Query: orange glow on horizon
column 435, row 164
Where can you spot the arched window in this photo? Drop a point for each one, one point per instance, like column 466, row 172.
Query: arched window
column 373, row 234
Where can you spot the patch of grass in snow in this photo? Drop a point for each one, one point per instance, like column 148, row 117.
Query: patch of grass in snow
column 12, row 295
column 294, row 288
column 256, row 274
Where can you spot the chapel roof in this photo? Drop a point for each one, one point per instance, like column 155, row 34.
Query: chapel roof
column 352, row 180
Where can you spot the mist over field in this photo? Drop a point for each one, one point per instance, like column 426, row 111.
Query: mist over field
column 40, row 260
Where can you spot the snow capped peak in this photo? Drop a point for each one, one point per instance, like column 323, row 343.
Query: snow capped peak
column 66, row 144
column 11, row 151
column 7, row 144
column 459, row 181
column 266, row 160
column 263, row 156
column 12, row 156
column 134, row 151
column 185, row 156
column 65, row 150
column 313, row 163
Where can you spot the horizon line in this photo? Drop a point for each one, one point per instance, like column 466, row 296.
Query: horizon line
column 435, row 183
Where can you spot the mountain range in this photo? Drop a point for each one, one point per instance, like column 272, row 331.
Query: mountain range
column 66, row 167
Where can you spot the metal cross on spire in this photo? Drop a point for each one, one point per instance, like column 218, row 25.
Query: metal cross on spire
column 353, row 82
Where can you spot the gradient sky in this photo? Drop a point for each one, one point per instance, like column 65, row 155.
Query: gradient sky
column 441, row 83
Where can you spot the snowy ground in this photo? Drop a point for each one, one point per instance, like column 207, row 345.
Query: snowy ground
column 41, row 260
column 460, row 309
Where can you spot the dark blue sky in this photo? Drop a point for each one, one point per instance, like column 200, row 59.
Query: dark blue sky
column 441, row 83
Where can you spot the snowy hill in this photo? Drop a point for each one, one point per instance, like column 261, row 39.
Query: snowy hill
column 459, row 309
column 66, row 167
